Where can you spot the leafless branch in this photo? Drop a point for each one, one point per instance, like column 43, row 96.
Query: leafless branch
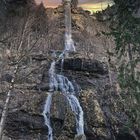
column 11, row 88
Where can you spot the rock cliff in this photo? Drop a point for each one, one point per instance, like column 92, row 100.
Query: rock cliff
column 37, row 34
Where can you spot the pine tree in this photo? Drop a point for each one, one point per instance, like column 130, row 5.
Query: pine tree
column 127, row 38
column 74, row 3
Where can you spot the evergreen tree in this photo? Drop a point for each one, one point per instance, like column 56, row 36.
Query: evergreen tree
column 74, row 3
column 127, row 37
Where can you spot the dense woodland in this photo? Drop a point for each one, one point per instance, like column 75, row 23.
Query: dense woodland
column 126, row 33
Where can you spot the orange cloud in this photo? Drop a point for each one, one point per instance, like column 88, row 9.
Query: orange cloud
column 91, row 5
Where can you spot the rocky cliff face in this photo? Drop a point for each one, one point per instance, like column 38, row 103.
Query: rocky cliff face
column 88, row 69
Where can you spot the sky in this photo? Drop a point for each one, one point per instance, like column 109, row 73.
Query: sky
column 91, row 5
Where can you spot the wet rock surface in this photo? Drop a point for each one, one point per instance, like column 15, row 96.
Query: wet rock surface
column 84, row 65
column 99, row 102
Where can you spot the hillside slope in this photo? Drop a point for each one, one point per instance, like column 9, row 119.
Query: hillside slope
column 31, row 37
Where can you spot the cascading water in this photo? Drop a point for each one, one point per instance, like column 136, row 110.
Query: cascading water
column 62, row 83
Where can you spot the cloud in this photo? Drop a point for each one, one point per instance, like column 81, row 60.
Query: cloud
column 56, row 2
column 93, row 5
column 96, row 5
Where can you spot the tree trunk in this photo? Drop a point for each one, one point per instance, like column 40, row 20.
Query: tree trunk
column 5, row 109
column 130, row 60
column 4, row 113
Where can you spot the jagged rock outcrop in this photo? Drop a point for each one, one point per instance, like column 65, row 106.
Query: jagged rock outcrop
column 78, row 64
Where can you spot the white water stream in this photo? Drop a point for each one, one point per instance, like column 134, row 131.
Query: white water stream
column 58, row 82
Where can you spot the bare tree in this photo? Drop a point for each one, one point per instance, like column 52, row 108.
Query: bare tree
column 5, row 109
column 18, row 47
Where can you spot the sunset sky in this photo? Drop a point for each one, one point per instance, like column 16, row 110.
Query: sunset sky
column 92, row 5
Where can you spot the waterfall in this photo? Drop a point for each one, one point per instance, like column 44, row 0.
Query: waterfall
column 69, row 43
column 46, row 114
column 59, row 82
